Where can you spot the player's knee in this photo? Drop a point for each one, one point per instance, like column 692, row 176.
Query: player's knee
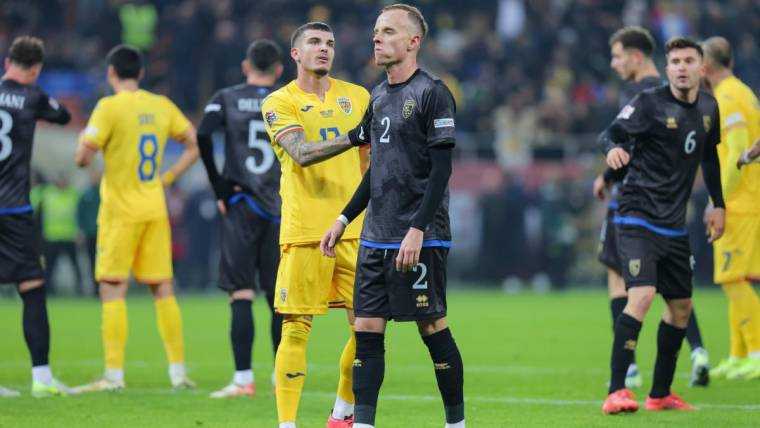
column 430, row 327
column 112, row 291
column 296, row 327
column 369, row 325
column 245, row 294
column 640, row 301
column 32, row 294
column 29, row 285
column 162, row 290
column 680, row 311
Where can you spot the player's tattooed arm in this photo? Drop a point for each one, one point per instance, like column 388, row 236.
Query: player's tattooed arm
column 308, row 153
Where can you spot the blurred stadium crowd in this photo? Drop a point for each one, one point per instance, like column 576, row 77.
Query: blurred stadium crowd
column 531, row 79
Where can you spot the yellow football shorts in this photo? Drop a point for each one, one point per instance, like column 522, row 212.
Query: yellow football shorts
column 145, row 248
column 309, row 283
column 737, row 252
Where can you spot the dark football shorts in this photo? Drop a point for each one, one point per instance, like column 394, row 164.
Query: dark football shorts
column 608, row 251
column 382, row 292
column 19, row 249
column 649, row 258
column 249, row 245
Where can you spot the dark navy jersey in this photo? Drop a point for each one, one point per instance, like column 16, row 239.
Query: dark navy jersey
column 249, row 160
column 20, row 108
column 406, row 121
column 666, row 139
column 629, row 90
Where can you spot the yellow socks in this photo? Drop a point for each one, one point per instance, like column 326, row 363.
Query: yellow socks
column 744, row 318
column 290, row 365
column 170, row 327
column 345, row 382
column 114, row 331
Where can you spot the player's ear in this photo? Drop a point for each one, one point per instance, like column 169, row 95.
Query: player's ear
column 7, row 63
column 294, row 53
column 278, row 70
column 36, row 70
column 245, row 67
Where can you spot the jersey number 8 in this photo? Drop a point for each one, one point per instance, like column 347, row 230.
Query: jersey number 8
column 146, row 170
column 256, row 127
column 6, row 123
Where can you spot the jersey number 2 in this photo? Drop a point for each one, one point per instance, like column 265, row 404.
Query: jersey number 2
column 6, row 123
column 256, row 127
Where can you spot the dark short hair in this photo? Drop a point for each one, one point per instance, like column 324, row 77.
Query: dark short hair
column 27, row 51
column 634, row 37
column 308, row 26
column 414, row 15
column 264, row 54
column 683, row 43
column 126, row 60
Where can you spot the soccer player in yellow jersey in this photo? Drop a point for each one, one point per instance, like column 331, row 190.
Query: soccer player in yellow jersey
column 737, row 255
column 131, row 129
column 313, row 118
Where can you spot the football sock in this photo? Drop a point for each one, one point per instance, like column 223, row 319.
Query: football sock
column 36, row 327
column 627, row 330
column 447, row 362
column 170, row 327
column 344, row 402
column 747, row 308
column 669, row 340
column 290, row 366
column 369, row 370
column 42, row 374
column 617, row 305
column 114, row 331
column 243, row 377
column 242, row 332
column 738, row 347
column 693, row 335
column 275, row 325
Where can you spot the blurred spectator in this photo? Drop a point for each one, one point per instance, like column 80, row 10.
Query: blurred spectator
column 87, row 220
column 58, row 207
column 138, row 21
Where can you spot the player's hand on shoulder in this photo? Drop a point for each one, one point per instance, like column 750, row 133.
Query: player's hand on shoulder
column 599, row 188
column 749, row 155
column 409, row 252
column 617, row 158
column 332, row 236
column 716, row 221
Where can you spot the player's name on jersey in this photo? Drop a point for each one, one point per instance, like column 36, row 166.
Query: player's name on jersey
column 12, row 100
column 249, row 104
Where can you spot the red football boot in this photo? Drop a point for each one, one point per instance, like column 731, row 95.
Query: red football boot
column 620, row 401
column 671, row 402
column 348, row 422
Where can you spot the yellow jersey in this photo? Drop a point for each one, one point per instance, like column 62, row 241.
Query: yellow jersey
column 739, row 112
column 313, row 196
column 131, row 128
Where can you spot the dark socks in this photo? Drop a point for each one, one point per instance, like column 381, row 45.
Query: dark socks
column 369, row 370
column 616, row 308
column 36, row 327
column 276, row 325
column 669, row 340
column 693, row 335
column 627, row 330
column 241, row 333
column 448, row 372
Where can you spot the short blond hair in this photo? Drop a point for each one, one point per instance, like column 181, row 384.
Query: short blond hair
column 414, row 15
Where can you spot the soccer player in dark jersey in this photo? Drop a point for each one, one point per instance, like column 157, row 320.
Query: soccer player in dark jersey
column 663, row 136
column 22, row 103
column 631, row 50
column 401, row 272
column 247, row 193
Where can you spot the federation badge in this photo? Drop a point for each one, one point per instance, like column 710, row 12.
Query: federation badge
column 707, row 122
column 671, row 123
column 408, row 108
column 270, row 117
column 634, row 266
column 345, row 104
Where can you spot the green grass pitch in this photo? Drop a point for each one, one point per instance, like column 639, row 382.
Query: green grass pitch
column 530, row 360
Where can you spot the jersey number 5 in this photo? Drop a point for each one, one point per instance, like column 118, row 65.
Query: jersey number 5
column 255, row 128
column 146, row 170
column 6, row 123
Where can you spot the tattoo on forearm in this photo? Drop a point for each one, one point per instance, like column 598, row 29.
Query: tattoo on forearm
column 309, row 153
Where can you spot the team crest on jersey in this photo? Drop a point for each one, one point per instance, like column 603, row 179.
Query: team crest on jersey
column 707, row 122
column 345, row 104
column 270, row 117
column 671, row 123
column 634, row 267
column 408, row 108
